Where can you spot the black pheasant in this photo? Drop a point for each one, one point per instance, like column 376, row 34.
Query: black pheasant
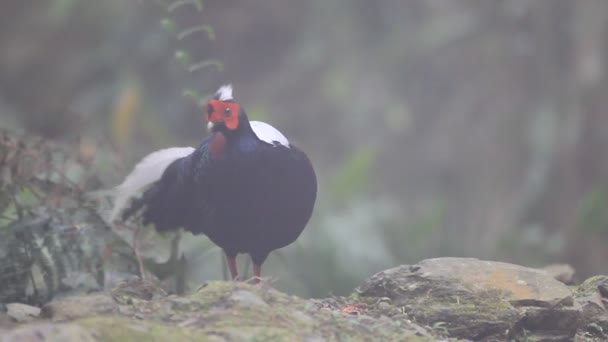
column 245, row 187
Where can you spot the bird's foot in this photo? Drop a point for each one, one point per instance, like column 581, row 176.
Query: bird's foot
column 258, row 281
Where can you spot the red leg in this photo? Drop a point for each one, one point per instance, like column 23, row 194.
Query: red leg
column 257, row 273
column 234, row 274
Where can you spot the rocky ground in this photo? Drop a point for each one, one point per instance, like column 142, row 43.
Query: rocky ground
column 445, row 299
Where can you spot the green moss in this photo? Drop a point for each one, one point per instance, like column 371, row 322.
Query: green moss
column 237, row 311
column 590, row 285
column 126, row 330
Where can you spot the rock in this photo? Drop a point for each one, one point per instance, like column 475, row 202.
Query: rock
column 184, row 304
column 80, row 282
column 47, row 332
column 80, row 306
column 593, row 299
column 436, row 300
column 6, row 322
column 480, row 300
column 229, row 311
column 248, row 299
column 136, row 289
column 22, row 312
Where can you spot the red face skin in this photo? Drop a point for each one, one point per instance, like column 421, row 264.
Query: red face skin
column 217, row 112
column 221, row 111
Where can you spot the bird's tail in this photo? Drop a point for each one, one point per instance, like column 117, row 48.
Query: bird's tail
column 149, row 170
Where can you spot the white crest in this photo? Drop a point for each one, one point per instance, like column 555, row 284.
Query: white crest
column 268, row 133
column 147, row 171
column 224, row 93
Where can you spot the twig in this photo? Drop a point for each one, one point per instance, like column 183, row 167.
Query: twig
column 140, row 263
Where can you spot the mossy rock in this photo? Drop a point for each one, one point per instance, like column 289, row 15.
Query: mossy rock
column 436, row 300
column 479, row 300
column 592, row 297
column 219, row 311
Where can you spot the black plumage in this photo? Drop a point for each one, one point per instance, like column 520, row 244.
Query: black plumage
column 246, row 194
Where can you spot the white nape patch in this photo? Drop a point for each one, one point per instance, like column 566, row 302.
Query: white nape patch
column 147, row 171
column 224, row 93
column 268, row 133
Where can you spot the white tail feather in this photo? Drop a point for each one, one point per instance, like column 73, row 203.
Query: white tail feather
column 147, row 171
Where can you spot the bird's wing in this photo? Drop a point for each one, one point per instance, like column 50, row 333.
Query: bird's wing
column 269, row 134
column 146, row 172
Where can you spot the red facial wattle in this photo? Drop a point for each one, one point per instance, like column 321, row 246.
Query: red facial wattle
column 223, row 111
column 217, row 145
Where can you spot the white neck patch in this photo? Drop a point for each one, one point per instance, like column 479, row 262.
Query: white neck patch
column 269, row 134
column 224, row 93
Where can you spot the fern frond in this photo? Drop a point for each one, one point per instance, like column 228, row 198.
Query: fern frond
column 207, row 63
column 189, row 31
column 198, row 4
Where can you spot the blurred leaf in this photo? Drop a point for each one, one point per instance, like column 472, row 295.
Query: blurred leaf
column 60, row 10
column 26, row 197
column 168, row 25
column 200, row 28
column 191, row 94
column 593, row 213
column 258, row 111
column 207, row 63
column 183, row 57
column 198, row 4
column 336, row 85
column 123, row 116
column 422, row 230
column 397, row 118
column 354, row 174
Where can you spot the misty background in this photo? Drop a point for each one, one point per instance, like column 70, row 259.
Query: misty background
column 474, row 128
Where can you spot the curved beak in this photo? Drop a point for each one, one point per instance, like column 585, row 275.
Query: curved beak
column 210, row 126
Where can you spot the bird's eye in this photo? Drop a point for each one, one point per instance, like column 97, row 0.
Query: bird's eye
column 227, row 111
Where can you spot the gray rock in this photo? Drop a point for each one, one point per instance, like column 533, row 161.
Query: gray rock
column 184, row 304
column 73, row 307
column 302, row 317
column 248, row 299
column 593, row 300
column 479, row 300
column 22, row 312
column 80, row 282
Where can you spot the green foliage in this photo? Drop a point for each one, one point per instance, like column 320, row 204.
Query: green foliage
column 354, row 174
column 182, row 56
column 168, row 25
column 422, row 231
column 200, row 28
column 51, row 239
column 593, row 211
column 61, row 9
column 258, row 112
column 174, row 5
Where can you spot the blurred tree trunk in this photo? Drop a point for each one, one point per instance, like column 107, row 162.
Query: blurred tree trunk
column 570, row 63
